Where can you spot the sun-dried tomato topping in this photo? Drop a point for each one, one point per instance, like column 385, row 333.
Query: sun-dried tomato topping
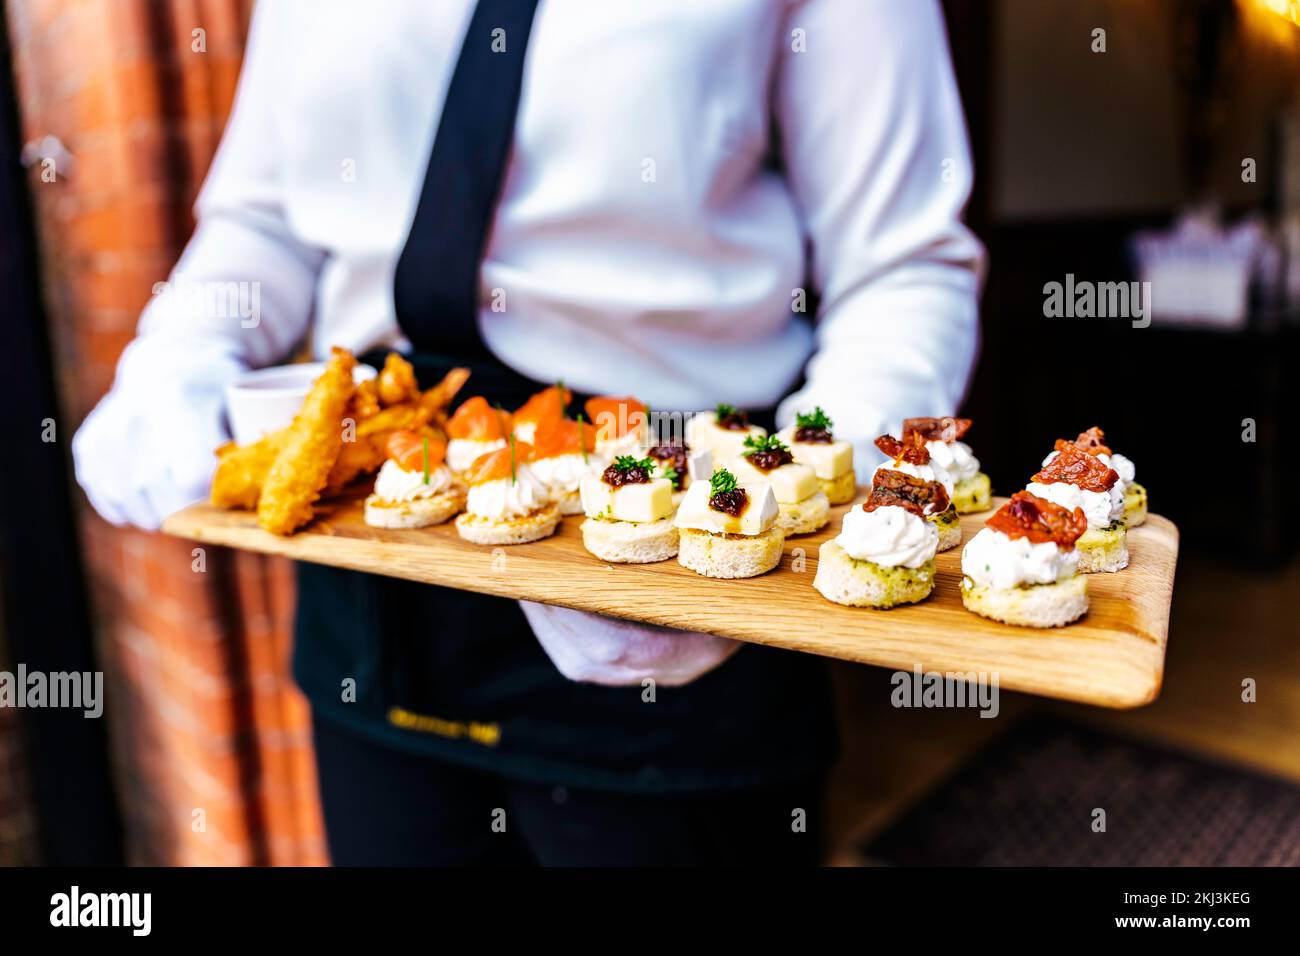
column 1028, row 516
column 917, row 495
column 911, row 449
column 736, row 420
column 937, row 429
column 1093, row 441
column 1074, row 466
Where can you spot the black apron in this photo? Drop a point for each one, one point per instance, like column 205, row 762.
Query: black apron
column 460, row 676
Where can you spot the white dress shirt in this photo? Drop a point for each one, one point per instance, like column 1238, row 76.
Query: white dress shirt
column 680, row 171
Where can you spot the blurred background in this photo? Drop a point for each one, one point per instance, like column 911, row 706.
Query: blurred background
column 1115, row 140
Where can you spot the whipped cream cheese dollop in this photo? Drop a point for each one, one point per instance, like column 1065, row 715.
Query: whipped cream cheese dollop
column 889, row 536
column 461, row 452
column 994, row 560
column 1100, row 507
column 954, row 459
column 1126, row 470
column 395, row 483
column 562, row 474
column 504, row 499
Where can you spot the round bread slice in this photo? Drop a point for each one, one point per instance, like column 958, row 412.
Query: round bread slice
column 1038, row 605
column 1103, row 549
column 973, row 494
column 630, row 542
column 949, row 527
column 846, row 580
column 841, row 490
column 803, row 517
column 1135, row 505
column 420, row 513
column 540, row 524
column 729, row 555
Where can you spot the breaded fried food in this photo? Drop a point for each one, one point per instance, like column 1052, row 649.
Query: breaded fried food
column 242, row 469
column 396, row 383
column 311, row 447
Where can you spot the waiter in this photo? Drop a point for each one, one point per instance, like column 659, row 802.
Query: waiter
column 635, row 198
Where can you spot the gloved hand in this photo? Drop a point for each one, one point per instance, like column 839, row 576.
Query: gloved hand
column 146, row 450
column 595, row 649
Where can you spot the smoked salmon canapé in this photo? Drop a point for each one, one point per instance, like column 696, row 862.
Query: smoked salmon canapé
column 507, row 503
column 727, row 529
column 1022, row 566
column 912, row 473
column 475, row 429
column 629, row 513
column 812, row 442
column 1074, row 478
column 547, row 406
column 414, row 487
column 564, row 453
column 884, row 553
column 622, row 424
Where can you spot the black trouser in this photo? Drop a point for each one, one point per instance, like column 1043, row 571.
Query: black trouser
column 387, row 807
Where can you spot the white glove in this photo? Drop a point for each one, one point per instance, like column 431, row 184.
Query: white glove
column 146, row 450
column 595, row 649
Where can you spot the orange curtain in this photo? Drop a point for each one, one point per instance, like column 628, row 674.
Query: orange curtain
column 127, row 99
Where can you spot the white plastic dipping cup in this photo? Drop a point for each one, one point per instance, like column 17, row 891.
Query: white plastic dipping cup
column 266, row 400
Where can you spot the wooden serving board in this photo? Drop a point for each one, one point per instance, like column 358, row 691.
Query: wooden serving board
column 1113, row 657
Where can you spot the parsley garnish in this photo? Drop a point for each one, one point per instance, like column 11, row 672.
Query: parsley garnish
column 816, row 419
column 757, row 444
column 625, row 463
column 721, row 482
column 669, row 472
column 426, row 460
column 725, row 411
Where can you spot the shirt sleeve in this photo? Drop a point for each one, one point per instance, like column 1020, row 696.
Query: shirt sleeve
column 240, row 297
column 875, row 148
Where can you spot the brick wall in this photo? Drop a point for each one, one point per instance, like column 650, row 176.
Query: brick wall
column 202, row 712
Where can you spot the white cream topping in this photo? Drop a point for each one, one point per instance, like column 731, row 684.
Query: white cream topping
column 562, row 474
column 504, row 499
column 888, row 536
column 1126, row 470
column 996, row 561
column 954, row 459
column 395, row 483
column 1101, row 507
column 461, row 452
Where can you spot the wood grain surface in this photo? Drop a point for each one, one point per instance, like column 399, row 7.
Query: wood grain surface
column 1113, row 657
